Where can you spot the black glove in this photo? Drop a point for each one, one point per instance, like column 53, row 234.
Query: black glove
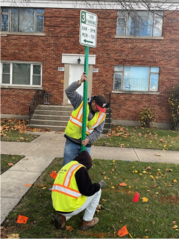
column 102, row 184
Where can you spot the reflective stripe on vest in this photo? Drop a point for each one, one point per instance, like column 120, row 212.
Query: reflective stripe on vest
column 65, row 187
column 69, row 192
column 77, row 121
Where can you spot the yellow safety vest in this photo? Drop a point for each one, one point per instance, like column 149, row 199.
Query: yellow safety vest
column 65, row 193
column 74, row 126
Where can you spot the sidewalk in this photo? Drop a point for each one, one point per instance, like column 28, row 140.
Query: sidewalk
column 39, row 154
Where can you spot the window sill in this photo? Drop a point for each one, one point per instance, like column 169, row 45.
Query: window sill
column 21, row 33
column 136, row 92
column 21, row 87
column 140, row 37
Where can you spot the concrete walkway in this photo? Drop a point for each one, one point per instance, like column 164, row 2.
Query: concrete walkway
column 39, row 154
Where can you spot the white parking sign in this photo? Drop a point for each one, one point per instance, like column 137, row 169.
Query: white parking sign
column 88, row 28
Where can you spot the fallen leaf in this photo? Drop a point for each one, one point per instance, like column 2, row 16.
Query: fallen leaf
column 175, row 181
column 144, row 199
column 174, row 222
column 157, row 154
column 148, row 168
column 69, row 228
column 44, row 188
column 13, row 235
column 10, row 164
column 28, row 185
column 168, row 170
column 175, row 226
column 104, row 200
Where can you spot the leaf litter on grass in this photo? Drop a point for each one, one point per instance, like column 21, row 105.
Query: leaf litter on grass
column 139, row 137
column 150, row 219
column 17, row 125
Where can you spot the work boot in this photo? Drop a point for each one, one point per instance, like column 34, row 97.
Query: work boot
column 87, row 224
column 60, row 221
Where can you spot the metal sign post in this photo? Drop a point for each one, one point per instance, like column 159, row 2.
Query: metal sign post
column 88, row 38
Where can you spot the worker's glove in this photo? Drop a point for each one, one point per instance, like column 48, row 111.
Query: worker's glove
column 102, row 184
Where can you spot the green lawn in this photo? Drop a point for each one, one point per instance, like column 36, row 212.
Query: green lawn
column 13, row 130
column 137, row 137
column 15, row 136
column 8, row 161
column 159, row 183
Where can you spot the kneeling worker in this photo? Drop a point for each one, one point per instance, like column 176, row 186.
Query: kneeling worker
column 73, row 192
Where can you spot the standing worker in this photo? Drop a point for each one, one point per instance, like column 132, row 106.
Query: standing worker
column 96, row 109
column 73, row 192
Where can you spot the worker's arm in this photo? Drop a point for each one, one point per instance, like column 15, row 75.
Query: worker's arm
column 85, row 186
column 94, row 135
column 71, row 93
column 73, row 96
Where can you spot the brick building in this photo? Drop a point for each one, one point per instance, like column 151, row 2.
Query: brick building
column 135, row 66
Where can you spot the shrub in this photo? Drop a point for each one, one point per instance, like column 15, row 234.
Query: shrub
column 174, row 105
column 146, row 117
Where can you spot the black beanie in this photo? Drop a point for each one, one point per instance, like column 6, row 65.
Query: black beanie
column 85, row 159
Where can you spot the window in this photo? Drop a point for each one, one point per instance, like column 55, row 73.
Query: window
column 136, row 78
column 27, row 20
column 139, row 23
column 28, row 74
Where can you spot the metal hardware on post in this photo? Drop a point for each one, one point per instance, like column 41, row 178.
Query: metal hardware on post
column 79, row 60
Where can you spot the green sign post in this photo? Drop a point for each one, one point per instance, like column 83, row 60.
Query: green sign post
column 88, row 38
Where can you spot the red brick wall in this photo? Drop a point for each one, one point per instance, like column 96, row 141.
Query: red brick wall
column 61, row 29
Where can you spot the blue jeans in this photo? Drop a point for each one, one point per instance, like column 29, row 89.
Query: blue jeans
column 71, row 151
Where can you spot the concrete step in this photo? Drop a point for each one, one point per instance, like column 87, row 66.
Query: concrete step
column 48, row 122
column 52, row 112
column 55, row 112
column 54, row 107
column 52, row 127
column 50, row 117
column 55, row 117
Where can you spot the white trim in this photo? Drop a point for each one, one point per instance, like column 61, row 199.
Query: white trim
column 22, row 33
column 140, row 37
column 155, row 4
column 10, row 85
column 73, row 59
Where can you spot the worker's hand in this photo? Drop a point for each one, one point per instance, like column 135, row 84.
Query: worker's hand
column 102, row 184
column 83, row 78
column 85, row 141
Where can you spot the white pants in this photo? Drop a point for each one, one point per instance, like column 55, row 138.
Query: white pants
column 90, row 206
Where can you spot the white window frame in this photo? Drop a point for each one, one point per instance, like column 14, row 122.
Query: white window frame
column 124, row 15
column 35, row 20
column 136, row 91
column 31, row 74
